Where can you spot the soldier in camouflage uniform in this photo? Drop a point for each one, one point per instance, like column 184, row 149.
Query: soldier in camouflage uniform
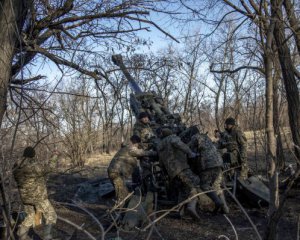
column 234, row 140
column 143, row 129
column 30, row 178
column 209, row 168
column 173, row 154
column 123, row 164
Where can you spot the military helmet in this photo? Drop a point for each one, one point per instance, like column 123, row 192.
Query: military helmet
column 29, row 152
column 143, row 115
column 230, row 121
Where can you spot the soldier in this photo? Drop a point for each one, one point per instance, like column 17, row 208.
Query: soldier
column 209, row 168
column 143, row 129
column 30, row 178
column 234, row 140
column 123, row 164
column 173, row 154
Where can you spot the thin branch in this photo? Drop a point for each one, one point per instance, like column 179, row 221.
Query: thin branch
column 74, row 204
column 174, row 209
column 57, row 92
column 246, row 214
column 90, row 236
column 28, row 80
column 155, row 25
column 258, row 69
column 234, row 230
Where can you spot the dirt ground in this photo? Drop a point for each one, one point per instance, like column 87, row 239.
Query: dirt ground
column 63, row 186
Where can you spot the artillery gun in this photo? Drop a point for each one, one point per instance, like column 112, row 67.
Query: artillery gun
column 149, row 102
column 160, row 116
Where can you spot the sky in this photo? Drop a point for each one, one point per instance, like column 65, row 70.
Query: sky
column 158, row 39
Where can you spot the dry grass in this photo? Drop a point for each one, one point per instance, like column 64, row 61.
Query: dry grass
column 99, row 159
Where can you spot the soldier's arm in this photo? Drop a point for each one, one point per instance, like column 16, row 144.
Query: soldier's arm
column 222, row 142
column 136, row 152
column 242, row 142
column 176, row 142
column 136, row 130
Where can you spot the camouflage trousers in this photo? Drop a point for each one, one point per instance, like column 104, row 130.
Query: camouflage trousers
column 119, row 185
column 231, row 160
column 45, row 207
column 211, row 179
column 191, row 183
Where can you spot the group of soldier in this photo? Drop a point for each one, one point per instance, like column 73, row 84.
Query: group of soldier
column 193, row 159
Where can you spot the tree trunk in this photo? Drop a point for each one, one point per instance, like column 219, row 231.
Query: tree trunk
column 287, row 68
column 271, row 141
column 12, row 16
column 294, row 22
column 276, row 118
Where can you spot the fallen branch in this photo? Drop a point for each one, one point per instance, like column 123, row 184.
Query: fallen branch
column 246, row 214
column 235, row 232
column 74, row 204
column 173, row 209
column 90, row 236
column 223, row 236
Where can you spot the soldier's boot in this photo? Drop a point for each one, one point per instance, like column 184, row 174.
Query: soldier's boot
column 47, row 234
column 219, row 204
column 192, row 209
column 23, row 233
column 225, row 208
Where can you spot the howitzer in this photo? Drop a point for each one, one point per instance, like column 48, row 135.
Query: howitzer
column 159, row 115
column 149, row 102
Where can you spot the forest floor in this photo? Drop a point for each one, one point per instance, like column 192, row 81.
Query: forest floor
column 63, row 187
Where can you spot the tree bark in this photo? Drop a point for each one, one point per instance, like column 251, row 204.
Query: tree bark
column 12, row 17
column 294, row 22
column 290, row 83
column 276, row 118
column 271, row 141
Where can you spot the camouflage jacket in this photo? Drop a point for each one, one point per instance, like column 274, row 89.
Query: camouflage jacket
column 30, row 178
column 235, row 141
column 209, row 155
column 144, row 131
column 126, row 159
column 172, row 154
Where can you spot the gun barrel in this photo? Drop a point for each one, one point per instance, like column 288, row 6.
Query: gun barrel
column 134, row 86
column 118, row 60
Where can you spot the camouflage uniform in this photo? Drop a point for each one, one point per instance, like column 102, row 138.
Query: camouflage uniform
column 210, row 163
column 210, row 167
column 144, row 131
column 122, row 166
column 172, row 154
column 30, row 178
column 236, row 144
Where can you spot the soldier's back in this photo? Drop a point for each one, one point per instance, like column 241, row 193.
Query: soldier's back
column 31, row 182
column 210, row 155
column 122, row 159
